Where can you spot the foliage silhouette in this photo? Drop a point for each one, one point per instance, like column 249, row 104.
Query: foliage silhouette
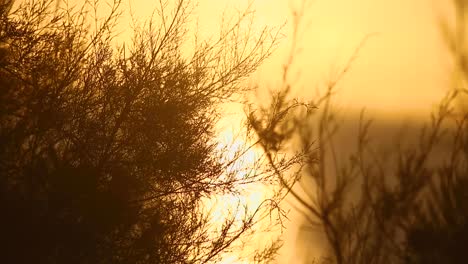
column 405, row 205
column 108, row 154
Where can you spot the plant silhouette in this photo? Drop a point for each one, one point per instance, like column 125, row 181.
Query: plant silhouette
column 407, row 204
column 108, row 152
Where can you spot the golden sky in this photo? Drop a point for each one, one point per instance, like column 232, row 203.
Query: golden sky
column 402, row 68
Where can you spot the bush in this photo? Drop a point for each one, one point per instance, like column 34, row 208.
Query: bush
column 107, row 153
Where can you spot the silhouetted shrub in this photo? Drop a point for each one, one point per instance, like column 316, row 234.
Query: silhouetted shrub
column 107, row 153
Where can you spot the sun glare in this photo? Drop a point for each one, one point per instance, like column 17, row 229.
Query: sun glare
column 251, row 195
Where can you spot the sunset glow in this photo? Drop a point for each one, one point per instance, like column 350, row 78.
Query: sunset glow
column 233, row 131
